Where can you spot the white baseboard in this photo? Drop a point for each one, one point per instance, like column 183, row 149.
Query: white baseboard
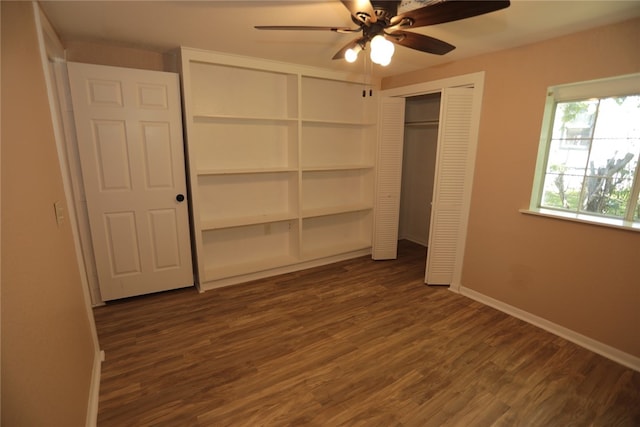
column 94, row 390
column 415, row 239
column 625, row 359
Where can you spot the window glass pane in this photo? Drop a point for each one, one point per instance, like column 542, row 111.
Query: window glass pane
column 619, row 118
column 568, row 154
column 565, row 158
column 573, row 123
column 562, row 191
column 606, row 196
column 613, row 157
column 610, row 176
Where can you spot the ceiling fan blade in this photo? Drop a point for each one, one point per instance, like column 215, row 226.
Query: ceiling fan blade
column 362, row 10
column 352, row 44
column 449, row 10
column 307, row 28
column 421, row 42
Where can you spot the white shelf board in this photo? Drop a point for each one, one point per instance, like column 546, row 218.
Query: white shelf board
column 205, row 172
column 338, row 122
column 219, row 223
column 336, row 168
column 335, row 210
column 213, row 117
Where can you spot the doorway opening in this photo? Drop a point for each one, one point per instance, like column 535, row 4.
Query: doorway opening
column 460, row 103
column 422, row 113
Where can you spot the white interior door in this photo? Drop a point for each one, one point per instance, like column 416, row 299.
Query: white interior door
column 454, row 172
column 388, row 179
column 129, row 131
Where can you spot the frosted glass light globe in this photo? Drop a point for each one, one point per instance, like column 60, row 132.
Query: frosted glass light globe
column 377, row 42
column 350, row 55
column 389, row 48
column 376, row 56
column 381, row 50
column 385, row 61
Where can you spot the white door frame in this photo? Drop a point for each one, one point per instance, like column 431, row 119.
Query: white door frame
column 79, row 205
column 77, row 187
column 51, row 53
column 475, row 80
column 54, row 66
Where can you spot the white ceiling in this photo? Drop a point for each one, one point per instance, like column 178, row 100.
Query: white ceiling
column 227, row 26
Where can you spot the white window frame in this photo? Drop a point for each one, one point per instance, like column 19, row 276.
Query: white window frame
column 616, row 86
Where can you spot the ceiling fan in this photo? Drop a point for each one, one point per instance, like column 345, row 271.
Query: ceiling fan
column 381, row 25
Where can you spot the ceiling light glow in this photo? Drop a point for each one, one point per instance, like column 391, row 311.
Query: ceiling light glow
column 381, row 50
column 351, row 55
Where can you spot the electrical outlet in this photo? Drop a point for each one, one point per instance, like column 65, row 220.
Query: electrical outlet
column 58, row 208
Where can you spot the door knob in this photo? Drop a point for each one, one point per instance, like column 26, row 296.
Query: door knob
column 180, row 197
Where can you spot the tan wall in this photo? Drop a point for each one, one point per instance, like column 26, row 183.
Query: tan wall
column 118, row 56
column 580, row 276
column 47, row 341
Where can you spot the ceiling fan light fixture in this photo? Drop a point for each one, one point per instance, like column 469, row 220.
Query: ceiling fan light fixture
column 381, row 50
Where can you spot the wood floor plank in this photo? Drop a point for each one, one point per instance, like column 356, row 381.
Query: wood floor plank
column 356, row 343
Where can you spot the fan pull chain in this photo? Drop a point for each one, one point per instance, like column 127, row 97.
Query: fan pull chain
column 364, row 72
column 368, row 78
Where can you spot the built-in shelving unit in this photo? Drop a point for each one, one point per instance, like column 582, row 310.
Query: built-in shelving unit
column 281, row 163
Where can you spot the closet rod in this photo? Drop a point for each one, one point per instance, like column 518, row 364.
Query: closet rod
column 422, row 123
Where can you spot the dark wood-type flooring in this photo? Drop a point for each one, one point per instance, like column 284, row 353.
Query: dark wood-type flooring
column 357, row 343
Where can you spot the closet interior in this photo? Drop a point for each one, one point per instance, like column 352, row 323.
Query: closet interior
column 418, row 166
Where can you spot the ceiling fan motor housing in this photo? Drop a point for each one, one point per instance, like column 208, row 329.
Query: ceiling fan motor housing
column 385, row 10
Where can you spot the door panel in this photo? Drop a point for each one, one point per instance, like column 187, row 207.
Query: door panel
column 453, row 173
column 156, row 143
column 111, row 155
column 164, row 232
column 124, row 253
column 388, row 179
column 129, row 130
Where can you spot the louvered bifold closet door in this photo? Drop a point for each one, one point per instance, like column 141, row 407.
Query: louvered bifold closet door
column 454, row 170
column 388, row 179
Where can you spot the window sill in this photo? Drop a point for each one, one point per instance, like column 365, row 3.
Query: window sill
column 584, row 219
